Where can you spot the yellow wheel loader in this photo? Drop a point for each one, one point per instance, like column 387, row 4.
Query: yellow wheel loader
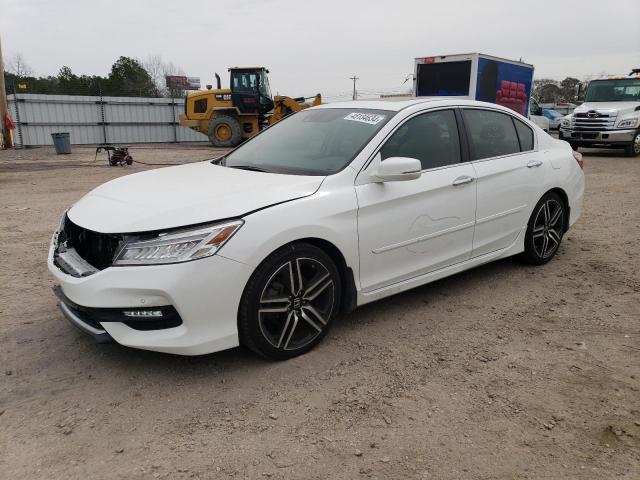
column 229, row 115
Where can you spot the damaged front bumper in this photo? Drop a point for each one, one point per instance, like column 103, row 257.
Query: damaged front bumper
column 82, row 321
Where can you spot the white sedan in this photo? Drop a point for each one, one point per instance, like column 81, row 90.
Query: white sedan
column 331, row 208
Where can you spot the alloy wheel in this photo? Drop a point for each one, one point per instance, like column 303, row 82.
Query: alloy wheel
column 548, row 228
column 296, row 303
column 636, row 144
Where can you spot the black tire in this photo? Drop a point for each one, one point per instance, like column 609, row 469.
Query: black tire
column 545, row 229
column 633, row 149
column 285, row 328
column 574, row 146
column 228, row 124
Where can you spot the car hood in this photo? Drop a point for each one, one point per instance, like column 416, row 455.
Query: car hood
column 184, row 195
column 612, row 108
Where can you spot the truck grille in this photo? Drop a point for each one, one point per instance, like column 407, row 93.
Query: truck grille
column 98, row 249
column 592, row 121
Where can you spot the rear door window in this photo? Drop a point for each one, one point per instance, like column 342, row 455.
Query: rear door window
column 525, row 135
column 492, row 134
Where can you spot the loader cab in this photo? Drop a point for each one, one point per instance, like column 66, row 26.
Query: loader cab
column 250, row 92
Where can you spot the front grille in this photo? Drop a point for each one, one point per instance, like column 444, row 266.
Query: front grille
column 593, row 121
column 98, row 249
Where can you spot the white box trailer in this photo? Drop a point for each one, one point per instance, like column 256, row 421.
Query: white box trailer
column 479, row 77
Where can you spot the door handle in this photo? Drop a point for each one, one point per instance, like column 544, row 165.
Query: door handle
column 462, row 180
column 534, row 163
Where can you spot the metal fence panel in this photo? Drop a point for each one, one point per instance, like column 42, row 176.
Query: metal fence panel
column 94, row 120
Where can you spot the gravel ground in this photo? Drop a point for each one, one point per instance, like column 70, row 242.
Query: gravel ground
column 501, row 372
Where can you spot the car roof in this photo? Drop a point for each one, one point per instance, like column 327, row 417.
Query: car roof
column 397, row 104
column 393, row 104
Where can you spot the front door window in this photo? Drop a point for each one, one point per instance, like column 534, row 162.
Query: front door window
column 432, row 138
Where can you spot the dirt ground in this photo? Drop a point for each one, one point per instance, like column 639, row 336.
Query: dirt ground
column 501, row 372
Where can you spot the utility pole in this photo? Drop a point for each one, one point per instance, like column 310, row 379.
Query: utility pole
column 355, row 93
column 5, row 134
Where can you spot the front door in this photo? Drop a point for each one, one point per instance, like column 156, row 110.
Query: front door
column 409, row 228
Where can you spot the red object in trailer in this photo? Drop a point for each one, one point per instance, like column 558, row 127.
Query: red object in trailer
column 512, row 95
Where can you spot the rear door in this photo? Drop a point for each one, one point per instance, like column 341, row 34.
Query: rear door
column 409, row 228
column 510, row 175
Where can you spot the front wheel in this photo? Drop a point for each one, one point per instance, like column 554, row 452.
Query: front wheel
column 224, row 131
column 545, row 229
column 633, row 149
column 290, row 302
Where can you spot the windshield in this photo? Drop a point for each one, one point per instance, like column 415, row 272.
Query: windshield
column 310, row 142
column 620, row 90
column 244, row 81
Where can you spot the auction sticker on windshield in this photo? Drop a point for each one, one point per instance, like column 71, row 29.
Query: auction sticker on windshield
column 370, row 118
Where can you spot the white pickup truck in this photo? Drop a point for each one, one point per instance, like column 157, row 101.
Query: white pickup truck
column 609, row 116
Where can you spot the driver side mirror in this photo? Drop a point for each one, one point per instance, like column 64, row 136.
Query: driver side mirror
column 397, row 169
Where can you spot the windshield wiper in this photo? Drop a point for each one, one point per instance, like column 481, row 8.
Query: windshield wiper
column 249, row 167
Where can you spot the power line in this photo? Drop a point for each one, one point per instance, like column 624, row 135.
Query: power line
column 355, row 93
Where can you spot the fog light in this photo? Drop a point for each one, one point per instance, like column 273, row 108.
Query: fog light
column 143, row 313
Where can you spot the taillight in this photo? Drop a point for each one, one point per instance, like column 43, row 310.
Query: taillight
column 578, row 157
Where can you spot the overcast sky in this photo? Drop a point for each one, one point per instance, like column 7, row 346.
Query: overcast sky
column 314, row 46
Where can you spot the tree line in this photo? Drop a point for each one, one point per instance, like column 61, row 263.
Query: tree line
column 132, row 77
column 128, row 77
column 546, row 90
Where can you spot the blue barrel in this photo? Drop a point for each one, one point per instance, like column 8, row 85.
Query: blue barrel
column 62, row 142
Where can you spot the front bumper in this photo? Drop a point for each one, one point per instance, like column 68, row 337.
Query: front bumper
column 604, row 137
column 87, row 325
column 205, row 294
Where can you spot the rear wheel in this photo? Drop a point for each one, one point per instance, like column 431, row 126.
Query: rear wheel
column 545, row 229
column 224, row 131
column 290, row 302
column 633, row 149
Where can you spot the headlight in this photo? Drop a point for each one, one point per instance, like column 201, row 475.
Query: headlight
column 628, row 123
column 178, row 246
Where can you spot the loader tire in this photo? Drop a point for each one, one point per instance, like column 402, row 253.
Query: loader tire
column 224, row 131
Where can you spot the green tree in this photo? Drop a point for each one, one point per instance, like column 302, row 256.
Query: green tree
column 546, row 90
column 129, row 78
column 568, row 88
column 67, row 81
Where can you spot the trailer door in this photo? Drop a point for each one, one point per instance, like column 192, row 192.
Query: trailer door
column 443, row 79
